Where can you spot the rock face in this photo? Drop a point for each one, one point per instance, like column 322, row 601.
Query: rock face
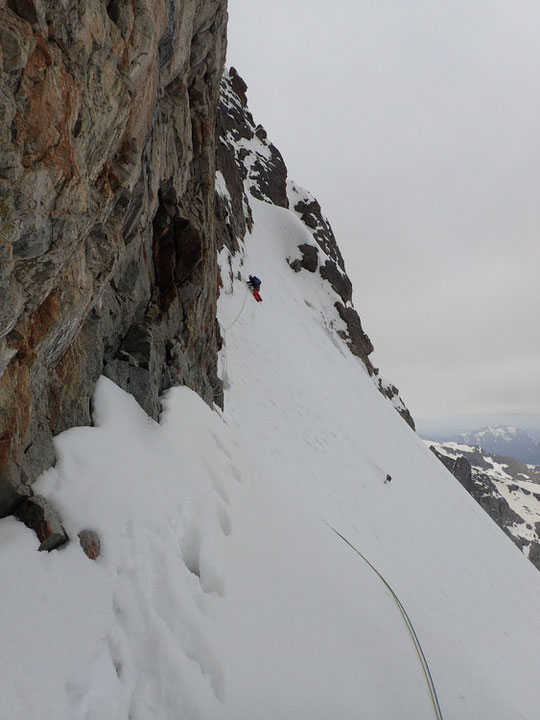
column 311, row 215
column 309, row 260
column 107, row 243
column 508, row 490
column 246, row 162
column 392, row 393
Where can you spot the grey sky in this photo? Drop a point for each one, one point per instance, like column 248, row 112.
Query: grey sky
column 416, row 125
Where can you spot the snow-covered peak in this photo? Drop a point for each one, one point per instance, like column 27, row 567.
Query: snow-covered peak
column 506, row 432
column 504, row 440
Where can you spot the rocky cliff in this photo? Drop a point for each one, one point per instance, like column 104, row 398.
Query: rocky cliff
column 107, row 244
column 126, row 157
column 507, row 489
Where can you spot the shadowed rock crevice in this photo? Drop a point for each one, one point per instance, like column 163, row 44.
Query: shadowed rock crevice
column 37, row 513
column 189, row 250
column 164, row 250
column 26, row 9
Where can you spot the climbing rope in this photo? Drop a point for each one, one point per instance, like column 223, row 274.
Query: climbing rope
column 224, row 331
column 412, row 633
column 238, row 316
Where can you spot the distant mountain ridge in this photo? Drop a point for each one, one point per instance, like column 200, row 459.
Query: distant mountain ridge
column 507, row 489
column 506, row 440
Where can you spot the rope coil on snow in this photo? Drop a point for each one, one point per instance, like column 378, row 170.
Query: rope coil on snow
column 410, row 628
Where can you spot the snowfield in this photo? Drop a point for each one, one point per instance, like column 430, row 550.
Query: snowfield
column 221, row 591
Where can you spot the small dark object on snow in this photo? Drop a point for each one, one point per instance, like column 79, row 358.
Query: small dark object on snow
column 388, row 478
column 90, row 543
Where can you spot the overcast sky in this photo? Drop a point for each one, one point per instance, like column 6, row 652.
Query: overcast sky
column 416, row 124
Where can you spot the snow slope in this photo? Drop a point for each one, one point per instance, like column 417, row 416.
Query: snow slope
column 337, row 439
column 221, row 591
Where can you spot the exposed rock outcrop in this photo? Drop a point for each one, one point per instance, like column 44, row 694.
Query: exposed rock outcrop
column 359, row 342
column 311, row 215
column 107, row 247
column 338, row 280
column 484, row 492
column 392, row 393
column 246, row 161
column 37, row 513
column 333, row 271
column 309, row 260
column 534, row 554
column 503, row 486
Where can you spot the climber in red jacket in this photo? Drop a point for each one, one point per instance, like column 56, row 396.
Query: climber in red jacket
column 255, row 284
